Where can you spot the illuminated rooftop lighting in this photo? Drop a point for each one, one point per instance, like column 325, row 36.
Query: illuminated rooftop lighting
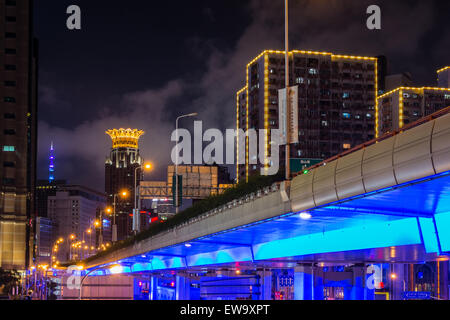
column 188, row 245
column 125, row 138
column 443, row 69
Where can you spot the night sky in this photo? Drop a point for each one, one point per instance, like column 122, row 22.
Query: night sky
column 140, row 64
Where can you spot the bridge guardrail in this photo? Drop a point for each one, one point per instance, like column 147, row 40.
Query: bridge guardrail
column 421, row 151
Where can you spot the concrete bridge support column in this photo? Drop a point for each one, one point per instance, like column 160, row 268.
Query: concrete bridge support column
column 266, row 284
column 183, row 288
column 359, row 289
column 153, row 294
column 398, row 278
column 304, row 283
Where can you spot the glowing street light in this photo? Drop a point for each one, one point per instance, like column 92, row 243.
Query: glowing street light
column 137, row 197
column 124, row 194
column 176, row 154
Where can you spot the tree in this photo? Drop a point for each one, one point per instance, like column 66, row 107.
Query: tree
column 8, row 280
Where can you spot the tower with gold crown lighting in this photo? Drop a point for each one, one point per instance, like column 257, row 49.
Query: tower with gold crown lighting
column 119, row 175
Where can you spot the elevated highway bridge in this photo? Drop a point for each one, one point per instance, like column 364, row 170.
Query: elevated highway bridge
column 387, row 201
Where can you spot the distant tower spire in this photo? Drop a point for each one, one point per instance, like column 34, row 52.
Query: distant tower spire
column 51, row 166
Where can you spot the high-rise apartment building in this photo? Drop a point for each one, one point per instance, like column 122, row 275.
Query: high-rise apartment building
column 73, row 210
column 405, row 105
column 121, row 167
column 18, row 101
column 336, row 102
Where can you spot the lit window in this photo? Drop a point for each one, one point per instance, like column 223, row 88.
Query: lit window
column 9, row 148
column 312, row 71
column 346, row 146
column 299, row 80
column 346, row 95
column 346, row 115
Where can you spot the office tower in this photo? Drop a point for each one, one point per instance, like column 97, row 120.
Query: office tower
column 18, row 102
column 44, row 240
column 405, row 105
column 120, row 169
column 336, row 102
column 444, row 77
column 73, row 209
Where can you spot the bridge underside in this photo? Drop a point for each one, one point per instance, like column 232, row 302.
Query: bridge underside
column 405, row 223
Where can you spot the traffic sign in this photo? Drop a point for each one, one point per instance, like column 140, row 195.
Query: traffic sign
column 419, row 295
column 300, row 164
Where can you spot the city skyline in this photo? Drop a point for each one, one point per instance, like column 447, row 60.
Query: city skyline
column 201, row 73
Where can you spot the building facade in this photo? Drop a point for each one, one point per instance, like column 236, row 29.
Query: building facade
column 121, row 167
column 405, row 105
column 73, row 210
column 18, row 103
column 44, row 240
column 44, row 189
column 394, row 81
column 336, row 102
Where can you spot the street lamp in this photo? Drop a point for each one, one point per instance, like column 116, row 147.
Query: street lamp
column 136, row 211
column 176, row 161
column 123, row 194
